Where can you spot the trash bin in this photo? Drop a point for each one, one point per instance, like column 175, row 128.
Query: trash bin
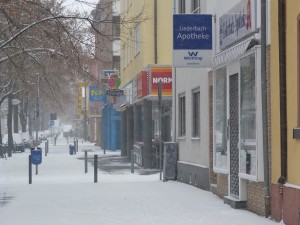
column 72, row 149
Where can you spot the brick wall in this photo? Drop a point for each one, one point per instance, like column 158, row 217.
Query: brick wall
column 222, row 185
column 256, row 199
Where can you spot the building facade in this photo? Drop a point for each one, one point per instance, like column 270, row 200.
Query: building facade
column 145, row 62
column 191, row 112
column 285, row 75
column 237, row 106
column 106, row 63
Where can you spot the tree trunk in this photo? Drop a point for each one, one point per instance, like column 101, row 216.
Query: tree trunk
column 9, row 127
column 16, row 120
column 1, row 150
column 23, row 116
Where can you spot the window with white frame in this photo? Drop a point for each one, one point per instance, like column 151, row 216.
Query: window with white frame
column 248, row 154
column 181, row 6
column 220, row 118
column 195, row 6
column 137, row 38
column 181, row 115
column 196, row 112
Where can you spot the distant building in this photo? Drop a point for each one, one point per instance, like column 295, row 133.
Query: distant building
column 104, row 121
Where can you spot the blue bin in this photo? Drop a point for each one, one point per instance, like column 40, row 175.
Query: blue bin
column 72, row 149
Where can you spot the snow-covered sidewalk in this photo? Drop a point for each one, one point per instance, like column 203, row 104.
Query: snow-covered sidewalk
column 62, row 194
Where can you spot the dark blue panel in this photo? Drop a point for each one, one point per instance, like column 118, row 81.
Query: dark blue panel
column 192, row 31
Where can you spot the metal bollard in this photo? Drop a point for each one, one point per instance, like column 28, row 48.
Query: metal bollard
column 85, row 162
column 95, row 168
column 132, row 162
column 45, row 148
column 104, row 147
column 75, row 148
column 30, row 170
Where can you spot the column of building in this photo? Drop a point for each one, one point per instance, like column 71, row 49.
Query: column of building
column 130, row 127
column 147, row 134
column 124, row 133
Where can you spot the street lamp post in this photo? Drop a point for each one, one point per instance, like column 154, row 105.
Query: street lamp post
column 160, row 129
column 85, row 110
column 37, row 110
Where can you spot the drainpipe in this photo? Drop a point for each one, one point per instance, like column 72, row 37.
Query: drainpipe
column 282, row 80
column 174, row 92
column 264, row 107
column 283, row 107
column 155, row 31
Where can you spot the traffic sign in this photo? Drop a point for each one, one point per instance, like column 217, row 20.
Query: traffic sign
column 51, row 122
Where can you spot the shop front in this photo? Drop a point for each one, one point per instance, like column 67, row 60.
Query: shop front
column 238, row 152
column 237, row 117
column 140, row 115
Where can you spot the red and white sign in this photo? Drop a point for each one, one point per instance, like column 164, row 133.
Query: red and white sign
column 163, row 75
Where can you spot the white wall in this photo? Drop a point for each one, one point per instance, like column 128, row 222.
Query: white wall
column 190, row 150
column 193, row 150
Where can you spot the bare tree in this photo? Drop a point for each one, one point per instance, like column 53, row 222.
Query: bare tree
column 41, row 37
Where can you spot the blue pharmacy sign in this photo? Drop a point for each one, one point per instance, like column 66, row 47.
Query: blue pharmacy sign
column 36, row 156
column 108, row 73
column 97, row 94
column 192, row 40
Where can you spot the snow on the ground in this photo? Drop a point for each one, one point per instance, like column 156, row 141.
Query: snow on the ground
column 62, row 194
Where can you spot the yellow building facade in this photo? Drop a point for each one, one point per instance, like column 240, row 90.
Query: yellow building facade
column 138, row 36
column 285, row 179
column 145, row 68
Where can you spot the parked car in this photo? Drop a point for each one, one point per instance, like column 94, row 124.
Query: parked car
column 27, row 140
column 19, row 147
column 18, row 142
column 28, row 143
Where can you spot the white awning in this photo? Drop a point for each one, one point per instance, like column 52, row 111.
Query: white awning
column 233, row 52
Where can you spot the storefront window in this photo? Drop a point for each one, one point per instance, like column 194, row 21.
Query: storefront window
column 220, row 122
column 248, row 116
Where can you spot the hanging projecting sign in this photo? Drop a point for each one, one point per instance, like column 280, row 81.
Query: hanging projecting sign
column 107, row 73
column 114, row 92
column 237, row 23
column 192, row 40
column 163, row 75
column 142, row 84
column 96, row 94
